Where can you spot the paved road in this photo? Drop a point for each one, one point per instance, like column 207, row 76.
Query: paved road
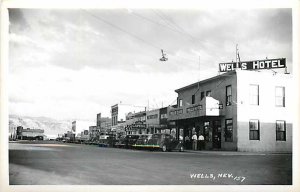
column 50, row 163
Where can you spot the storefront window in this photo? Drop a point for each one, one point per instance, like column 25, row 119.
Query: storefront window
column 254, row 130
column 280, row 131
column 173, row 132
column 228, row 130
column 181, row 134
column 206, row 131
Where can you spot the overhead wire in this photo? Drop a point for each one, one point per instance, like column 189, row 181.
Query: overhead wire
column 119, row 28
column 135, row 36
column 131, row 34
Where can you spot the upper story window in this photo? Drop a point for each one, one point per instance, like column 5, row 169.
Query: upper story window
column 202, row 95
column 228, row 95
column 193, row 99
column 208, row 93
column 280, row 96
column 254, row 95
column 155, row 116
column 163, row 116
column 180, row 103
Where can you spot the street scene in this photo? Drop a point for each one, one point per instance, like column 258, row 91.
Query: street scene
column 151, row 97
column 55, row 163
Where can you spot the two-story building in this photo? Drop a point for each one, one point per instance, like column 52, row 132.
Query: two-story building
column 238, row 110
column 136, row 123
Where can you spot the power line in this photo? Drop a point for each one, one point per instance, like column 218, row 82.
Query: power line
column 128, row 33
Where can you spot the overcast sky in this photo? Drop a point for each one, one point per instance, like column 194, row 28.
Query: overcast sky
column 71, row 64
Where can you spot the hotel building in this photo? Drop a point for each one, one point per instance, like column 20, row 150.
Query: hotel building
column 239, row 110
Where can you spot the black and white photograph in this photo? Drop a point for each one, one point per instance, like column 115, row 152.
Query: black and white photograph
column 152, row 96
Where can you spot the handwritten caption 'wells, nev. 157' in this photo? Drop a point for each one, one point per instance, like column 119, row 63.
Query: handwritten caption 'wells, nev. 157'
column 253, row 65
column 214, row 176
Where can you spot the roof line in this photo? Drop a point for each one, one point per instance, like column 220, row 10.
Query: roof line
column 205, row 80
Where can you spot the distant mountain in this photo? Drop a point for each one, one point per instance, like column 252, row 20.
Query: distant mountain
column 52, row 127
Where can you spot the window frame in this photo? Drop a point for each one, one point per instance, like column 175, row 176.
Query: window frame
column 206, row 94
column 226, row 130
column 202, row 95
column 180, row 103
column 258, row 130
column 284, row 126
column 252, row 95
column 228, row 97
column 206, row 127
column 283, row 97
column 193, row 99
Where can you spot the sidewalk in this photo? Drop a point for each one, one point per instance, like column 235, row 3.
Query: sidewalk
column 231, row 153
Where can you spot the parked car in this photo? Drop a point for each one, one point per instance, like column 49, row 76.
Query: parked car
column 121, row 142
column 142, row 141
column 165, row 142
column 127, row 142
column 103, row 141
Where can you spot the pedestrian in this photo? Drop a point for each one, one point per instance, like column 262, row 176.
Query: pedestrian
column 194, row 138
column 201, row 142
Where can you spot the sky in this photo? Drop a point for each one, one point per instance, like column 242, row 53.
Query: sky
column 73, row 64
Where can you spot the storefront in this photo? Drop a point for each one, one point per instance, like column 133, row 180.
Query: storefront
column 231, row 112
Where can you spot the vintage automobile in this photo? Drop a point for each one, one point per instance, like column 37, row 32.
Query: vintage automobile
column 142, row 141
column 164, row 142
column 127, row 142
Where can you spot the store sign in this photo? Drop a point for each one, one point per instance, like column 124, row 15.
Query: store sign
column 253, row 65
column 138, row 125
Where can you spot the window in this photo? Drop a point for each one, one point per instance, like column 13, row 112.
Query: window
column 180, row 102
column 206, row 131
column 254, row 130
column 228, row 95
column 163, row 116
column 228, row 130
column 193, row 99
column 202, row 95
column 280, row 96
column 208, row 93
column 280, row 131
column 254, row 94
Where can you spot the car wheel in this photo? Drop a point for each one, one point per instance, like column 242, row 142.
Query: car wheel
column 164, row 148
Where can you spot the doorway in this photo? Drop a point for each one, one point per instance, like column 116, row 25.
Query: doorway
column 216, row 134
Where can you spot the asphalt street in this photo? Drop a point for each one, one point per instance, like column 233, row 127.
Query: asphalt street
column 53, row 163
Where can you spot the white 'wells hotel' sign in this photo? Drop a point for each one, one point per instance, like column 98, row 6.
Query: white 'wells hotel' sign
column 253, row 65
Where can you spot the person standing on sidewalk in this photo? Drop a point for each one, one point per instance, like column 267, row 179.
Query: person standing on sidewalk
column 194, row 138
column 201, row 142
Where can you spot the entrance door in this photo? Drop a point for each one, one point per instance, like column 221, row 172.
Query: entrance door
column 216, row 134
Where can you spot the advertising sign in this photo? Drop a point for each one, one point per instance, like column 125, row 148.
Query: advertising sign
column 253, row 65
column 139, row 125
column 74, row 126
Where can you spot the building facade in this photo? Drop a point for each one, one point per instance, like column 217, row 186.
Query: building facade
column 136, row 123
column 30, row 134
column 238, row 110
